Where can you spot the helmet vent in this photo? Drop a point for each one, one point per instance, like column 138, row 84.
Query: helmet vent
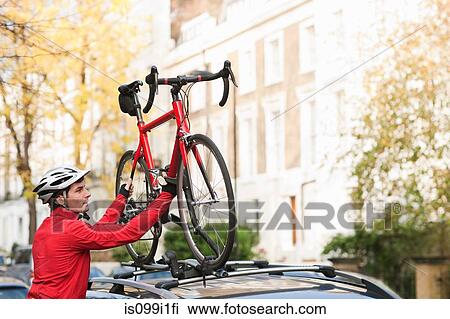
column 37, row 188
column 57, row 173
column 60, row 181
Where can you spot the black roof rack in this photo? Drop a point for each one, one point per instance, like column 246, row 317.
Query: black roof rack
column 328, row 271
column 119, row 285
column 140, row 269
column 234, row 265
column 191, row 271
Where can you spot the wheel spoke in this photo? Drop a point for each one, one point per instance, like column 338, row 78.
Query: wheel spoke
column 212, row 209
column 145, row 247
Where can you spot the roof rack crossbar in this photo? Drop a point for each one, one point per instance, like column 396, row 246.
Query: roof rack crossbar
column 328, row 271
column 235, row 264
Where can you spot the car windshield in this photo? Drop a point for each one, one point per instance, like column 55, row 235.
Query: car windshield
column 13, row 292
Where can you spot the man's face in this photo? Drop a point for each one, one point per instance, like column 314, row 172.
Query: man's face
column 77, row 197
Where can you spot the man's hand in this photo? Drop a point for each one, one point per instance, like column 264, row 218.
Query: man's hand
column 129, row 187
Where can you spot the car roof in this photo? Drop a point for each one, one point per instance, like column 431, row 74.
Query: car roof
column 275, row 281
column 260, row 284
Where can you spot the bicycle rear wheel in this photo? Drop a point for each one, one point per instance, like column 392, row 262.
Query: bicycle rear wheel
column 206, row 202
column 142, row 251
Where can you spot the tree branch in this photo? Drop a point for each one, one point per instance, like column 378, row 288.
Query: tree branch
column 61, row 102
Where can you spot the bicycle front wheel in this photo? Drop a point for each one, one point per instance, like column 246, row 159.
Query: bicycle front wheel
column 142, row 251
column 206, row 202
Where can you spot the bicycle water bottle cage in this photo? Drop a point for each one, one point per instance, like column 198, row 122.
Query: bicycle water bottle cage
column 128, row 100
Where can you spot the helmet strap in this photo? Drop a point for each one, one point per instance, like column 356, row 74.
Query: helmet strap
column 64, row 193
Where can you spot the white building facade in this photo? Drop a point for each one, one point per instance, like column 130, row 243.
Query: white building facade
column 289, row 120
column 281, row 131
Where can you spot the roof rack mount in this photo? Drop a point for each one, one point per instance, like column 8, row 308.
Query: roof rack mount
column 180, row 269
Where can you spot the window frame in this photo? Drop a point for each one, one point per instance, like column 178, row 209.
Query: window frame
column 247, row 85
column 274, row 103
column 248, row 113
column 307, row 65
column 268, row 66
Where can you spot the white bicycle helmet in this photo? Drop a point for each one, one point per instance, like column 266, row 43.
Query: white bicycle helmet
column 56, row 180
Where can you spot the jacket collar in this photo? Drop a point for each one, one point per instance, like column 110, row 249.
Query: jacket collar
column 64, row 213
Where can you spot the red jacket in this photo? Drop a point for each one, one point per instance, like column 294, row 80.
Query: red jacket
column 62, row 243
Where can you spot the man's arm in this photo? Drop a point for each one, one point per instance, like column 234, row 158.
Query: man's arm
column 114, row 211
column 109, row 235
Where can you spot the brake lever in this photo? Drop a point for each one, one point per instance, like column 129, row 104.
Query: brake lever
column 155, row 78
column 152, row 81
column 233, row 79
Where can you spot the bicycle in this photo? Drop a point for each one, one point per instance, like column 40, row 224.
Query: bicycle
column 204, row 192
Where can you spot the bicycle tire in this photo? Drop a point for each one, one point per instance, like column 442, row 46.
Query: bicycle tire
column 188, row 214
column 147, row 257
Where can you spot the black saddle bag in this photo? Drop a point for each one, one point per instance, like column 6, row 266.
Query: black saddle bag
column 126, row 102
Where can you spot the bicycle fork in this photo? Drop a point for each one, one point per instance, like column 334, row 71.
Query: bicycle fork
column 191, row 203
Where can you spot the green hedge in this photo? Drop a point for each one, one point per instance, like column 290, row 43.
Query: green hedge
column 246, row 240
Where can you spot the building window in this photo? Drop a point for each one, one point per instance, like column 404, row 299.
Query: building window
column 220, row 135
column 273, row 108
column 309, row 133
column 196, row 27
column 247, row 145
column 197, row 96
column 313, row 132
column 273, row 59
column 338, row 33
column 307, row 47
column 247, row 70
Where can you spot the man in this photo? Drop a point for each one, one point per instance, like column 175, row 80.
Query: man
column 62, row 243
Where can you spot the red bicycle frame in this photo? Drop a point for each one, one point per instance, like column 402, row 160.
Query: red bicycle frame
column 177, row 113
column 179, row 146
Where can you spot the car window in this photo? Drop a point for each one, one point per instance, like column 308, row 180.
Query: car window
column 13, row 293
column 23, row 256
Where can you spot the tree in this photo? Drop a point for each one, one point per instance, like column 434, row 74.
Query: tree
column 102, row 44
column 73, row 58
column 23, row 59
column 402, row 151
